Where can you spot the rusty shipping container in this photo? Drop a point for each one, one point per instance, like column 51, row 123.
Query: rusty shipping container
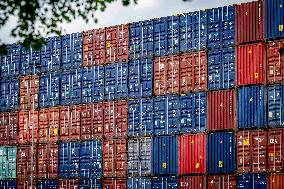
column 9, row 128
column 114, row 183
column 68, row 183
column 26, row 162
column 221, row 182
column 191, row 153
column 28, row 126
column 251, row 64
column 275, row 61
column 275, row 150
column 192, row 182
column 250, row 22
column 221, row 110
column 29, row 88
column 251, row 151
column 275, row 181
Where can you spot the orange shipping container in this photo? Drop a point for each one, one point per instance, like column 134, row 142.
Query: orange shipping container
column 275, row 181
column 28, row 126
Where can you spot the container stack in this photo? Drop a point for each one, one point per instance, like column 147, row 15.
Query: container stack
column 190, row 101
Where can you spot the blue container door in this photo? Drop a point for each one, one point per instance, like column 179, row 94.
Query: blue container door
column 51, row 55
column 99, row 90
column 172, row 34
column 63, row 160
column 276, row 106
column 134, row 79
column 274, row 19
column 71, row 51
column 122, row 80
column 46, row 184
column 164, row 182
column 146, row 77
column 146, row 117
column 76, row 87
column 257, row 181
column 160, row 37
column 74, row 159
column 134, row 117
column 66, row 89
column 87, row 84
column 49, row 90
column 91, row 183
column 139, row 183
column 135, row 36
column 8, row 184
column 110, row 82
column 147, row 43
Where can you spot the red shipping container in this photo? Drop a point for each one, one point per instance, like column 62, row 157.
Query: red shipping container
column 88, row 48
column 47, row 161
column 250, row 22
column 191, row 153
column 109, row 118
column 221, row 110
column 251, row 151
column 29, row 87
column 48, row 125
column 26, row 162
column 275, row 181
column 251, row 64
column 160, row 81
column 192, row 182
column 26, row 183
column 114, row 183
column 275, row 150
column 193, row 72
column 122, row 44
column 111, row 44
column 99, row 49
column 221, row 182
column 275, row 62
column 70, row 123
column 92, row 121
column 28, row 126
column 9, row 128
column 68, row 184
column 114, row 158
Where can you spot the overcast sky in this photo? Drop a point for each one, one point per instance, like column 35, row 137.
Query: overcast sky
column 117, row 14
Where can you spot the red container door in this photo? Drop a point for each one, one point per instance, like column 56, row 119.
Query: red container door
column 275, row 181
column 258, row 151
column 68, row 184
column 98, row 120
column 121, row 119
column 120, row 157
column 108, row 158
column 43, row 125
column 221, row 182
column 192, row 182
column 88, row 48
column 28, row 124
column 160, row 67
column 53, row 124
column 52, row 166
column 111, row 183
column 29, row 87
column 243, row 151
column 251, row 64
column 64, row 123
column 191, row 149
column 75, row 126
column 42, row 161
column 86, row 122
column 173, row 74
column 9, row 128
column 109, row 119
column 99, row 52
column 275, row 150
column 275, row 62
column 111, row 44
column 26, row 162
column 122, row 44
column 221, row 110
column 26, row 184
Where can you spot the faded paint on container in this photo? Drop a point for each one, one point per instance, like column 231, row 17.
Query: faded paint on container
column 221, row 182
column 9, row 126
column 28, row 126
column 275, row 160
column 193, row 112
column 250, row 22
column 191, row 153
column 274, row 19
column 164, row 182
column 49, row 89
column 221, row 110
column 29, row 89
column 8, row 156
column 251, row 107
column 139, row 156
column 275, row 181
column 252, row 181
column 139, row 183
column 164, row 155
column 220, row 153
column 68, row 183
column 251, row 151
column 276, row 105
column 114, row 183
column 275, row 61
column 255, row 56
column 192, row 182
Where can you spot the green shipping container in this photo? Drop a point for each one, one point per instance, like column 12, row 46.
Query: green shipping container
column 8, row 162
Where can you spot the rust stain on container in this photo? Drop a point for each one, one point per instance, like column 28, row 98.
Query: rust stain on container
column 221, row 182
column 275, row 150
column 9, row 128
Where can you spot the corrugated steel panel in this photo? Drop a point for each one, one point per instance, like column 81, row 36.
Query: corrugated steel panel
column 250, row 22
column 10, row 184
column 9, row 126
column 140, row 117
column 91, row 159
column 9, row 94
column 10, row 62
column 166, row 115
column 275, row 181
column 164, row 182
column 191, row 153
column 26, row 164
column 99, row 47
column 221, row 110
column 251, row 151
column 141, row 39
column 71, row 50
column 276, row 106
column 164, row 155
column 88, row 47
column 68, row 160
column 221, row 182
column 110, row 81
column 139, row 183
column 99, row 83
column 114, row 183
column 47, row 161
column 50, row 54
column 8, row 156
column 275, row 61
column 221, row 27
column 160, row 36
column 111, row 44
column 28, row 126
column 87, row 84
column 252, row 181
column 68, row 183
column 255, row 56
column 193, row 72
column 46, row 184
column 193, row 31
column 221, row 68
column 29, row 89
column 139, row 156
column 274, row 19
column 122, row 43
column 114, row 158
column 193, row 112
column 220, row 153
column 122, row 80
column 29, row 65
column 192, row 182
column 49, row 89
column 275, row 150
column 26, row 184
column 92, row 183
column 173, row 34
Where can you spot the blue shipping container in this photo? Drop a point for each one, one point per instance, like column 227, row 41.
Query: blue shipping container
column 122, row 80
column 221, row 153
column 71, row 50
column 173, row 34
column 166, row 115
column 140, row 117
column 274, row 19
column 257, row 181
column 8, row 184
column 221, row 68
column 193, row 31
column 49, row 89
column 164, row 182
column 139, row 183
column 87, row 84
column 29, row 65
column 164, row 155
column 91, row 159
column 46, row 184
column 193, row 112
column 221, row 27
column 110, row 82
column 160, row 36
column 9, row 94
column 99, row 83
column 276, row 106
column 10, row 62
column 92, row 183
column 251, row 107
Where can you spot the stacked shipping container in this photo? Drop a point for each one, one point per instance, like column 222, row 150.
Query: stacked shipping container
column 187, row 101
